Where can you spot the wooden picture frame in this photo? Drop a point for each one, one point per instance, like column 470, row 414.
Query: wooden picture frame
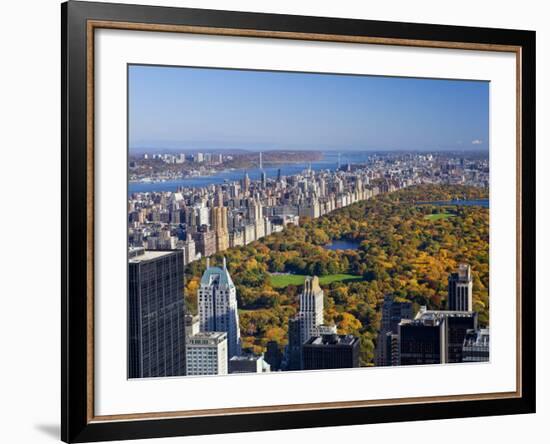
column 79, row 22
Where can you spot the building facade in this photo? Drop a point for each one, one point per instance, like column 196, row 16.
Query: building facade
column 218, row 306
column 156, row 314
column 207, row 354
column 331, row 351
column 476, row 346
column 311, row 308
column 393, row 311
column 434, row 337
column 459, row 296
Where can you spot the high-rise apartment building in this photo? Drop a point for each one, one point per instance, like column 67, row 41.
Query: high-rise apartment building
column 205, row 242
column 207, row 354
column 220, row 227
column 311, row 308
column 306, row 323
column 460, row 289
column 218, row 306
column 156, row 314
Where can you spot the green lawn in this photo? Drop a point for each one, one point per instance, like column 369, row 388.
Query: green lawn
column 438, row 216
column 283, row 280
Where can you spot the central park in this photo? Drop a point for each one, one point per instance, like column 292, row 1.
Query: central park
column 403, row 246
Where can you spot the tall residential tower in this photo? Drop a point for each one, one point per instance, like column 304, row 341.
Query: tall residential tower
column 311, row 308
column 460, row 289
column 218, row 306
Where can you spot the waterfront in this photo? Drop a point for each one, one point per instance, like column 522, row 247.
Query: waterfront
column 329, row 162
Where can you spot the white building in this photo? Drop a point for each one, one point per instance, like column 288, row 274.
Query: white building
column 192, row 325
column 218, row 306
column 311, row 308
column 206, row 354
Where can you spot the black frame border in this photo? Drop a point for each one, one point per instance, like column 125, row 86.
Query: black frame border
column 75, row 426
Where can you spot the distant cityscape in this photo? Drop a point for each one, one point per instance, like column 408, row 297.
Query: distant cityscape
column 169, row 231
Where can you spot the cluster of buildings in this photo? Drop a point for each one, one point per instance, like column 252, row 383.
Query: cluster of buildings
column 209, row 220
column 179, row 158
column 168, row 230
column 312, row 345
column 165, row 341
column 203, row 221
column 433, row 336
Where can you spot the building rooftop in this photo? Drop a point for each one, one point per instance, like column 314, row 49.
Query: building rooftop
column 477, row 338
column 435, row 317
column 423, row 313
column 463, row 274
column 137, row 255
column 206, row 337
column 334, row 340
column 217, row 275
column 246, row 358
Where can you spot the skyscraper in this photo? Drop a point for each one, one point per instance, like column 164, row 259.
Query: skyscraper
column 156, row 314
column 311, row 308
column 393, row 311
column 219, row 225
column 273, row 355
column 422, row 341
column 246, row 183
column 306, row 323
column 294, row 347
column 460, row 289
column 218, row 306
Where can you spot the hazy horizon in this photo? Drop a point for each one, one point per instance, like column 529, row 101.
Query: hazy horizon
column 194, row 109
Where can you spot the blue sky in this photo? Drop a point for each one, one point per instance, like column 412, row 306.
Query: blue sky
column 200, row 108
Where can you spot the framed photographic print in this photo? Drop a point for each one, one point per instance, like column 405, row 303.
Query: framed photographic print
column 275, row 221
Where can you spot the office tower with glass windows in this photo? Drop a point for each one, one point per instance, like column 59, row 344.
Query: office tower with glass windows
column 156, row 314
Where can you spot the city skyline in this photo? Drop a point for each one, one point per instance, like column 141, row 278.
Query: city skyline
column 356, row 265
column 187, row 108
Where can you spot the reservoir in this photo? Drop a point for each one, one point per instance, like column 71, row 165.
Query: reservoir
column 464, row 203
column 342, row 244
